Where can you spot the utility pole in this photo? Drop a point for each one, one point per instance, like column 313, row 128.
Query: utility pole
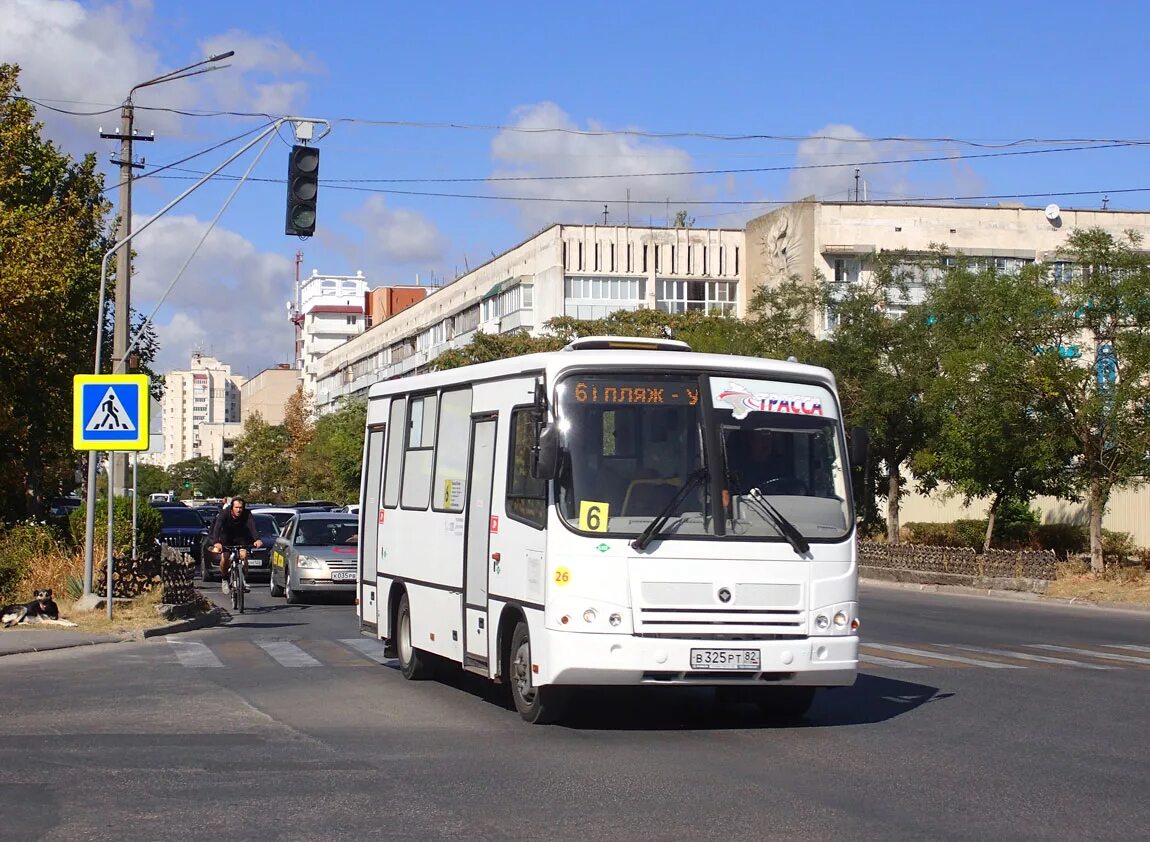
column 123, row 318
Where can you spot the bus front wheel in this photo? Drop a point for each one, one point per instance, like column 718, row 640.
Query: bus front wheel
column 537, row 705
column 791, row 702
column 415, row 664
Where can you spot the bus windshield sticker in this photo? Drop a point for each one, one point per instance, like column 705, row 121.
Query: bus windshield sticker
column 593, row 516
column 743, row 400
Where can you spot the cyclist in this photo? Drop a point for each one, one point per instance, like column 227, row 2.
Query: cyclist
column 233, row 526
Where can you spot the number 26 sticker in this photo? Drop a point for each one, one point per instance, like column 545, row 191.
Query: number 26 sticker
column 562, row 576
column 593, row 516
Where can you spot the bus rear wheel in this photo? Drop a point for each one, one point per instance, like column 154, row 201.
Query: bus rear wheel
column 415, row 664
column 537, row 705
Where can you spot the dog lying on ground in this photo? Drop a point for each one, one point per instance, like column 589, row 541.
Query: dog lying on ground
column 42, row 609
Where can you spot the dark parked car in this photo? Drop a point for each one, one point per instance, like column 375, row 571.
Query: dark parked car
column 181, row 528
column 257, row 559
column 315, row 552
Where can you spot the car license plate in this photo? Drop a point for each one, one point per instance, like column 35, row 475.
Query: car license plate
column 252, row 562
column 725, row 659
column 343, row 576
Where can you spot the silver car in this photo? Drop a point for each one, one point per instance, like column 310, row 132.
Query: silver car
column 315, row 552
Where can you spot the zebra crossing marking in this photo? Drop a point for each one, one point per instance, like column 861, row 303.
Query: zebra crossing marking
column 1092, row 653
column 889, row 662
column 192, row 654
column 287, row 654
column 1042, row 659
column 942, row 656
column 369, row 647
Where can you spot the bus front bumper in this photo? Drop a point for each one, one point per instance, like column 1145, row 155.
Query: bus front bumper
column 588, row 658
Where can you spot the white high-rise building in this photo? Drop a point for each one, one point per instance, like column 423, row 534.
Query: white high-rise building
column 329, row 310
column 201, row 411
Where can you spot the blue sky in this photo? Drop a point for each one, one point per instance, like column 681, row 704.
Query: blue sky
column 969, row 73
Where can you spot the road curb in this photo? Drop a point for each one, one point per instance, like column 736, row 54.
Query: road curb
column 1005, row 595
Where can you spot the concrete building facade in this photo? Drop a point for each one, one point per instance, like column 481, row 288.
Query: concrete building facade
column 201, row 410
column 583, row 271
column 329, row 311
column 267, row 393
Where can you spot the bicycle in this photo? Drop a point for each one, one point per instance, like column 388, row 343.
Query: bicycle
column 236, row 576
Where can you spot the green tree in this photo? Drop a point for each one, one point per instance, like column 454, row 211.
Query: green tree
column 881, row 360
column 218, row 480
column 332, row 460
column 151, row 479
column 998, row 433
column 261, row 470
column 52, row 236
column 300, row 429
column 190, row 473
column 1103, row 397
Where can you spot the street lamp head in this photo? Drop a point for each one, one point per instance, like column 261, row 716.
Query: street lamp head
column 222, row 56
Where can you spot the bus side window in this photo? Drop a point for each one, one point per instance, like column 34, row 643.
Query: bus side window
column 526, row 495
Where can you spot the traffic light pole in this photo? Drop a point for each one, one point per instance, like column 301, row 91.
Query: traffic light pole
column 90, row 522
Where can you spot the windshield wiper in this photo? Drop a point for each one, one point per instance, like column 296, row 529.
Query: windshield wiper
column 664, row 515
column 795, row 538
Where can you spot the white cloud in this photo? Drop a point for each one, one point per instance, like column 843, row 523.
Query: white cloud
column 837, row 150
column 568, row 153
column 390, row 244
column 98, row 53
column 255, row 81
column 228, row 303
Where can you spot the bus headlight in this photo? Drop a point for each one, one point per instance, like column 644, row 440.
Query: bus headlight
column 589, row 615
column 615, row 619
column 840, row 620
column 821, row 622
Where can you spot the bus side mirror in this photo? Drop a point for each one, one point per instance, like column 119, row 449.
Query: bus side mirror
column 546, row 453
column 859, row 446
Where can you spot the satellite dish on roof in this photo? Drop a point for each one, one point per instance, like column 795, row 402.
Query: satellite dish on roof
column 1053, row 212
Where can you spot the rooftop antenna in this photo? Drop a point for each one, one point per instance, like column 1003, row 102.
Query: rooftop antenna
column 1105, row 201
column 604, row 214
column 856, row 184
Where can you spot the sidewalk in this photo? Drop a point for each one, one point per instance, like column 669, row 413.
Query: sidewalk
column 19, row 640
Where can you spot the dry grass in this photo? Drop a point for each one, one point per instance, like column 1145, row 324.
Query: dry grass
column 53, row 570
column 1128, row 585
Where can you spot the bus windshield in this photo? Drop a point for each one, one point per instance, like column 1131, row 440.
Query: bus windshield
column 630, row 443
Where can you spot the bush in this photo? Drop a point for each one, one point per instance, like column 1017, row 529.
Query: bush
column 23, row 551
column 1117, row 546
column 148, row 524
column 1064, row 539
column 958, row 533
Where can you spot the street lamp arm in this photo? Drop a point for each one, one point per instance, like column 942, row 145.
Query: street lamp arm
column 176, row 74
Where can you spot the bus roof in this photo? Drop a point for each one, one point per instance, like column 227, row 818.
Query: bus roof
column 554, row 362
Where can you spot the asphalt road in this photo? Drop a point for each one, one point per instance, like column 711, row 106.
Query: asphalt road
column 972, row 719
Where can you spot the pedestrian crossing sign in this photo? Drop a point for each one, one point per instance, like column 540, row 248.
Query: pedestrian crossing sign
column 110, row 411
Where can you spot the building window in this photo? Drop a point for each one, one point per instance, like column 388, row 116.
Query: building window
column 644, row 257
column 595, row 298
column 597, row 246
column 630, row 256
column 351, row 320
column 580, row 255
column 612, row 267
column 708, row 296
column 704, row 260
column 690, row 256
column 736, row 260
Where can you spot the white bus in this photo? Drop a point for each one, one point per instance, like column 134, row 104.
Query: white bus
column 623, row 511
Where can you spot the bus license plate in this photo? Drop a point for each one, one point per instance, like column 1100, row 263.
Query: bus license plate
column 343, row 576
column 725, row 659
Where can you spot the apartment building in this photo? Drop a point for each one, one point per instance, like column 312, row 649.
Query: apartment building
column 328, row 312
column 201, row 411
column 584, row 271
column 267, row 393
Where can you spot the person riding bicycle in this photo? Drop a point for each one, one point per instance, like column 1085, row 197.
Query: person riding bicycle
column 233, row 526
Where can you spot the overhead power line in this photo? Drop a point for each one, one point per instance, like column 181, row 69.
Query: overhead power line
column 679, row 173
column 655, row 135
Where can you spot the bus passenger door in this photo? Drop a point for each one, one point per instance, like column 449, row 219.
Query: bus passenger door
column 478, row 544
